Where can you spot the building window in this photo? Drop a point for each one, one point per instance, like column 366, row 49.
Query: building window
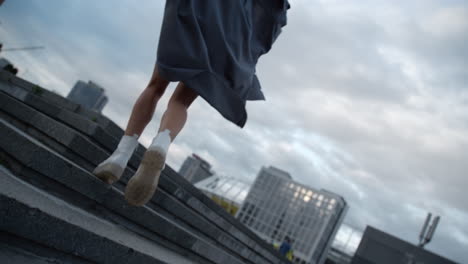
column 257, row 226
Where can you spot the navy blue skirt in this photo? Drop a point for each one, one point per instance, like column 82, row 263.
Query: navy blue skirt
column 213, row 46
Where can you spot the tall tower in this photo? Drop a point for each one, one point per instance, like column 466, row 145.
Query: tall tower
column 89, row 95
column 195, row 169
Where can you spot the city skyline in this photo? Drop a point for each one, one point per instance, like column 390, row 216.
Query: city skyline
column 230, row 193
column 364, row 98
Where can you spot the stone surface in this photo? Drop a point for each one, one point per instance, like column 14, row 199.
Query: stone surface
column 54, row 146
column 46, row 162
column 31, row 213
column 71, row 119
column 16, row 109
column 83, row 152
column 17, row 256
column 20, row 249
column 86, row 126
column 58, row 100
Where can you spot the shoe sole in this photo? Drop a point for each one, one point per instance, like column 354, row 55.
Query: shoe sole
column 141, row 187
column 108, row 173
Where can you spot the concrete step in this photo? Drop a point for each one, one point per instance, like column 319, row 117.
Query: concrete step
column 63, row 232
column 84, row 153
column 93, row 130
column 85, row 143
column 58, row 100
column 41, row 166
column 15, row 249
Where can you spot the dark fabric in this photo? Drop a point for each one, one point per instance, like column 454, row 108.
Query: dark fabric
column 213, row 47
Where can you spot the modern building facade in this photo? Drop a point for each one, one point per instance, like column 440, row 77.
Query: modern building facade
column 277, row 206
column 195, row 169
column 378, row 247
column 228, row 192
column 344, row 245
column 89, row 95
column 336, row 256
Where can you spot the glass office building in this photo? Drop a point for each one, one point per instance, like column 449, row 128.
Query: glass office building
column 228, row 192
column 277, row 206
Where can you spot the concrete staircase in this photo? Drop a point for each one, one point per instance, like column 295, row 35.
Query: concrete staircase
column 53, row 210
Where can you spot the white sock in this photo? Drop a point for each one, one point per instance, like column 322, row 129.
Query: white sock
column 162, row 141
column 124, row 151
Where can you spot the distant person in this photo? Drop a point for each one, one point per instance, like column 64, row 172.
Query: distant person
column 211, row 48
column 285, row 248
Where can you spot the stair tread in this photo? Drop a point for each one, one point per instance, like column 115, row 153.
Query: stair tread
column 37, row 200
column 47, row 162
column 87, row 150
column 82, row 143
column 63, row 102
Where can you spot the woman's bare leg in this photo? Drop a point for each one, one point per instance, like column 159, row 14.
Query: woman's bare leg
column 176, row 113
column 111, row 169
column 145, row 105
column 142, row 185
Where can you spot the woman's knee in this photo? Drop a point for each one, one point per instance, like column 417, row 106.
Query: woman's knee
column 156, row 91
column 158, row 86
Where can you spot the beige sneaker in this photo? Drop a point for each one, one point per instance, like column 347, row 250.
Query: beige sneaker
column 108, row 172
column 141, row 187
column 111, row 169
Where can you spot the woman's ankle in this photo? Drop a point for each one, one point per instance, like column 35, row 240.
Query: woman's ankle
column 162, row 140
column 124, row 150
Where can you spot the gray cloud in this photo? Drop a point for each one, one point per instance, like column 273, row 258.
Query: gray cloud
column 364, row 98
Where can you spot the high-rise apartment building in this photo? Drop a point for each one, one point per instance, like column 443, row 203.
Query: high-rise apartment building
column 277, row 206
column 195, row 169
column 89, row 95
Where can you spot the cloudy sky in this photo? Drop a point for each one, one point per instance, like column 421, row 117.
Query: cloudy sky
column 368, row 99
